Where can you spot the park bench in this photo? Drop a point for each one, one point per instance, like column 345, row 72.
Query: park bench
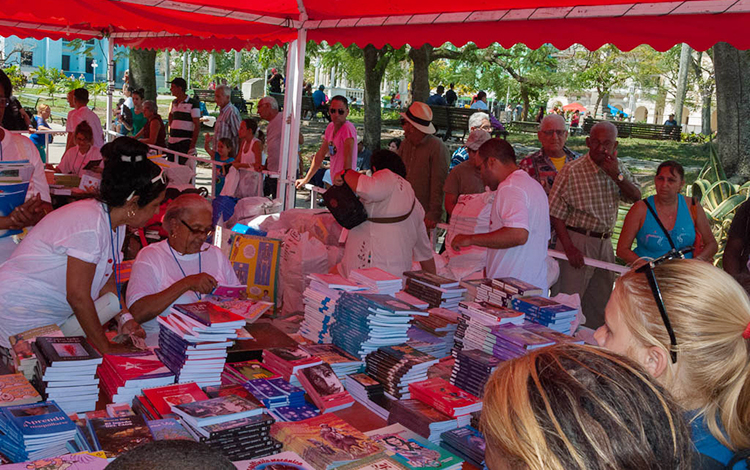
column 449, row 120
column 530, row 127
column 279, row 97
column 29, row 103
column 440, row 121
column 639, row 130
column 208, row 96
column 63, row 117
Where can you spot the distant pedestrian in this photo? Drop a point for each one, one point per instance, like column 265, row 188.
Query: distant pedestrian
column 450, row 96
column 437, row 99
column 480, row 101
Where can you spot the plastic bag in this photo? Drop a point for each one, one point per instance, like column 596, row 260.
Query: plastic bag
column 301, row 255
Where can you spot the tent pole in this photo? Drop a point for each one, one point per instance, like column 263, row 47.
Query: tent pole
column 292, row 117
column 110, row 82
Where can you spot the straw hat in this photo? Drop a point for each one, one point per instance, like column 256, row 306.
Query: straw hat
column 419, row 115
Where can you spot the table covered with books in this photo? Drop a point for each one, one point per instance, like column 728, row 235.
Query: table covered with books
column 375, row 372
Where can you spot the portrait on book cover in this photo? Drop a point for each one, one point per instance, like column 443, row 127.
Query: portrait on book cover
column 416, row 455
column 36, row 410
column 323, row 380
column 69, row 349
column 290, row 355
column 180, row 399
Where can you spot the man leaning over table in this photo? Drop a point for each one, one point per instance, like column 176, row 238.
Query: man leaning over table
column 584, row 201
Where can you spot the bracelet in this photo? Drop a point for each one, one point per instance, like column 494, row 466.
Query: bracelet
column 124, row 318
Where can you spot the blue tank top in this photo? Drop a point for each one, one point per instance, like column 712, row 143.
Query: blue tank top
column 650, row 239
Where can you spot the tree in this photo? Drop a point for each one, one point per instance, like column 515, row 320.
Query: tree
column 143, row 71
column 98, row 88
column 376, row 63
column 706, row 82
column 732, row 68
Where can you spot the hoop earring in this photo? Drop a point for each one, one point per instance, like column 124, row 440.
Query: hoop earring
column 131, row 213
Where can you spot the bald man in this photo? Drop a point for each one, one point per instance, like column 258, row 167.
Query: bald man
column 583, row 208
column 544, row 164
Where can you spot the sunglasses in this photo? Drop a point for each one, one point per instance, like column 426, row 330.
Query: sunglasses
column 341, row 111
column 198, row 231
column 648, row 270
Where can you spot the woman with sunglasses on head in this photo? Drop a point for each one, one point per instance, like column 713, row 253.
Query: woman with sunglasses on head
column 339, row 143
column 688, row 324
column 70, row 258
column 579, row 407
column 180, row 269
column 666, row 221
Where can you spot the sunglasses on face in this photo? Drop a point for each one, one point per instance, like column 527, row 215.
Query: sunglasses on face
column 648, row 270
column 341, row 111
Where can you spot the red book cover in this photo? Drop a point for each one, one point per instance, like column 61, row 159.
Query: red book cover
column 324, row 387
column 209, row 314
column 445, row 397
column 163, row 398
column 140, row 365
column 289, row 360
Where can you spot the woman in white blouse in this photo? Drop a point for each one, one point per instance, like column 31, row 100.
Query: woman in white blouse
column 75, row 159
column 180, row 269
column 71, row 257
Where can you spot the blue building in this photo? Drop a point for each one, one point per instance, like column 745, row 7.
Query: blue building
column 89, row 60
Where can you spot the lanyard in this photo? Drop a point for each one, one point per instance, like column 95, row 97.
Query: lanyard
column 115, row 255
column 200, row 269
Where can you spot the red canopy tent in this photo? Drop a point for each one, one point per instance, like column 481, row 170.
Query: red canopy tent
column 238, row 24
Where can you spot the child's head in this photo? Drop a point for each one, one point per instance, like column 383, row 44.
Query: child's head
column 248, row 128
column 225, row 147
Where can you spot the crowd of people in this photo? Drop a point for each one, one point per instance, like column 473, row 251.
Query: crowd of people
column 668, row 386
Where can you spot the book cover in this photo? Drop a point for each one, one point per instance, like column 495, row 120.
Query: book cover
column 15, row 389
column 164, row 398
column 168, row 429
column 289, row 358
column 295, row 413
column 234, row 292
column 445, row 397
column 324, row 387
column 68, row 349
column 215, row 410
column 250, row 310
column 281, row 461
column 216, row 391
column 251, row 370
column 115, row 436
column 21, row 342
column 209, row 314
column 39, row 419
column 330, row 353
column 78, row 461
column 411, row 450
column 432, row 279
column 139, row 366
column 255, row 260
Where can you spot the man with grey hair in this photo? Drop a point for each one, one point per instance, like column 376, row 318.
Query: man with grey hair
column 583, row 208
column 466, row 178
column 228, row 122
column 544, row 164
column 268, row 109
column 477, row 120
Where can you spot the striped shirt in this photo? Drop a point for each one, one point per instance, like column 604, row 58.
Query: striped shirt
column 181, row 119
column 228, row 125
column 584, row 196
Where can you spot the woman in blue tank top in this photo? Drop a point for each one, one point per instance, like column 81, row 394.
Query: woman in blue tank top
column 678, row 222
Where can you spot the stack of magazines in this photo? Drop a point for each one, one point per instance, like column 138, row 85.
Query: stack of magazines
column 467, row 443
column 123, row 376
column 320, row 299
column 370, row 393
column 472, row 369
column 547, row 312
column 376, row 280
column 476, row 322
column 424, row 419
column 241, row 372
column 437, row 291
column 35, row 431
column 398, row 366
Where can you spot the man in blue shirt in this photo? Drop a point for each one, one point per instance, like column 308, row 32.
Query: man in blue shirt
column 320, row 100
column 437, row 98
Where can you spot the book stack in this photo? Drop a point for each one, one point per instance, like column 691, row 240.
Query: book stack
column 275, row 393
column 503, row 291
column 24, row 358
column 157, row 402
column 115, row 436
column 320, row 299
column 34, row 431
column 415, row 302
column 510, row 341
column 370, row 393
column 424, row 419
column 342, row 363
column 218, row 410
column 472, row 288
column 250, row 310
column 437, row 291
column 123, row 376
column 365, row 322
column 467, row 443
column 437, row 346
column 66, row 372
column 239, row 439
column 412, row 450
column 168, row 429
column 193, row 341
column 282, row 460
column 398, row 366
column 472, row 369
column 547, row 312
column 476, row 322
column 15, row 389
column 445, row 397
column 324, row 388
column 288, row 361
column 377, row 281
column 241, row 372
column 549, row 333
column 326, row 441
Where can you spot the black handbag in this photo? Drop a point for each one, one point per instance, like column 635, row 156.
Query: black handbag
column 345, row 206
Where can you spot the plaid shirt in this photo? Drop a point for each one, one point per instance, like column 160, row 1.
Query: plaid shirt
column 228, row 125
column 547, row 169
column 584, row 196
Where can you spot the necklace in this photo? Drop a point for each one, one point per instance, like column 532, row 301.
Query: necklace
column 200, row 268
column 115, row 254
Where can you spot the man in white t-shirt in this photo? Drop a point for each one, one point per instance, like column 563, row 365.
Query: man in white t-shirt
column 80, row 101
column 519, row 221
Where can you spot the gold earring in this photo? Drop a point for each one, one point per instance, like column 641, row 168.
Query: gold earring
column 131, row 213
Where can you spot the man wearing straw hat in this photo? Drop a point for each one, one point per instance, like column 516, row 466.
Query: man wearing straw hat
column 426, row 160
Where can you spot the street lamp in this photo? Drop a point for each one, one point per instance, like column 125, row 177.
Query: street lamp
column 94, row 65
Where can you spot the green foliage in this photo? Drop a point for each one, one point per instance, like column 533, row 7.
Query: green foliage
column 17, row 78
column 693, row 137
column 70, row 84
column 96, row 89
column 80, row 47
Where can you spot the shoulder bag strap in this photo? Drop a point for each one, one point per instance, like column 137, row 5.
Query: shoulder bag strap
column 653, row 212
column 393, row 220
column 739, row 457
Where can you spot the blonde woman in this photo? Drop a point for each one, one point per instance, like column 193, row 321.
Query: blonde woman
column 688, row 324
column 579, row 407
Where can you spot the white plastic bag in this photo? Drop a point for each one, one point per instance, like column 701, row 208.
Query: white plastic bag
column 301, row 255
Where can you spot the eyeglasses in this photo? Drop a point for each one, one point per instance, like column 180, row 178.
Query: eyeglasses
column 486, row 127
column 159, row 177
column 198, row 231
column 648, row 270
column 341, row 111
column 551, row 132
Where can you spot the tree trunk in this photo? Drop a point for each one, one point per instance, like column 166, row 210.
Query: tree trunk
column 376, row 61
column 420, row 84
column 682, row 81
column 598, row 102
column 143, row 71
column 706, row 111
column 604, row 100
column 733, row 108
column 526, row 103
